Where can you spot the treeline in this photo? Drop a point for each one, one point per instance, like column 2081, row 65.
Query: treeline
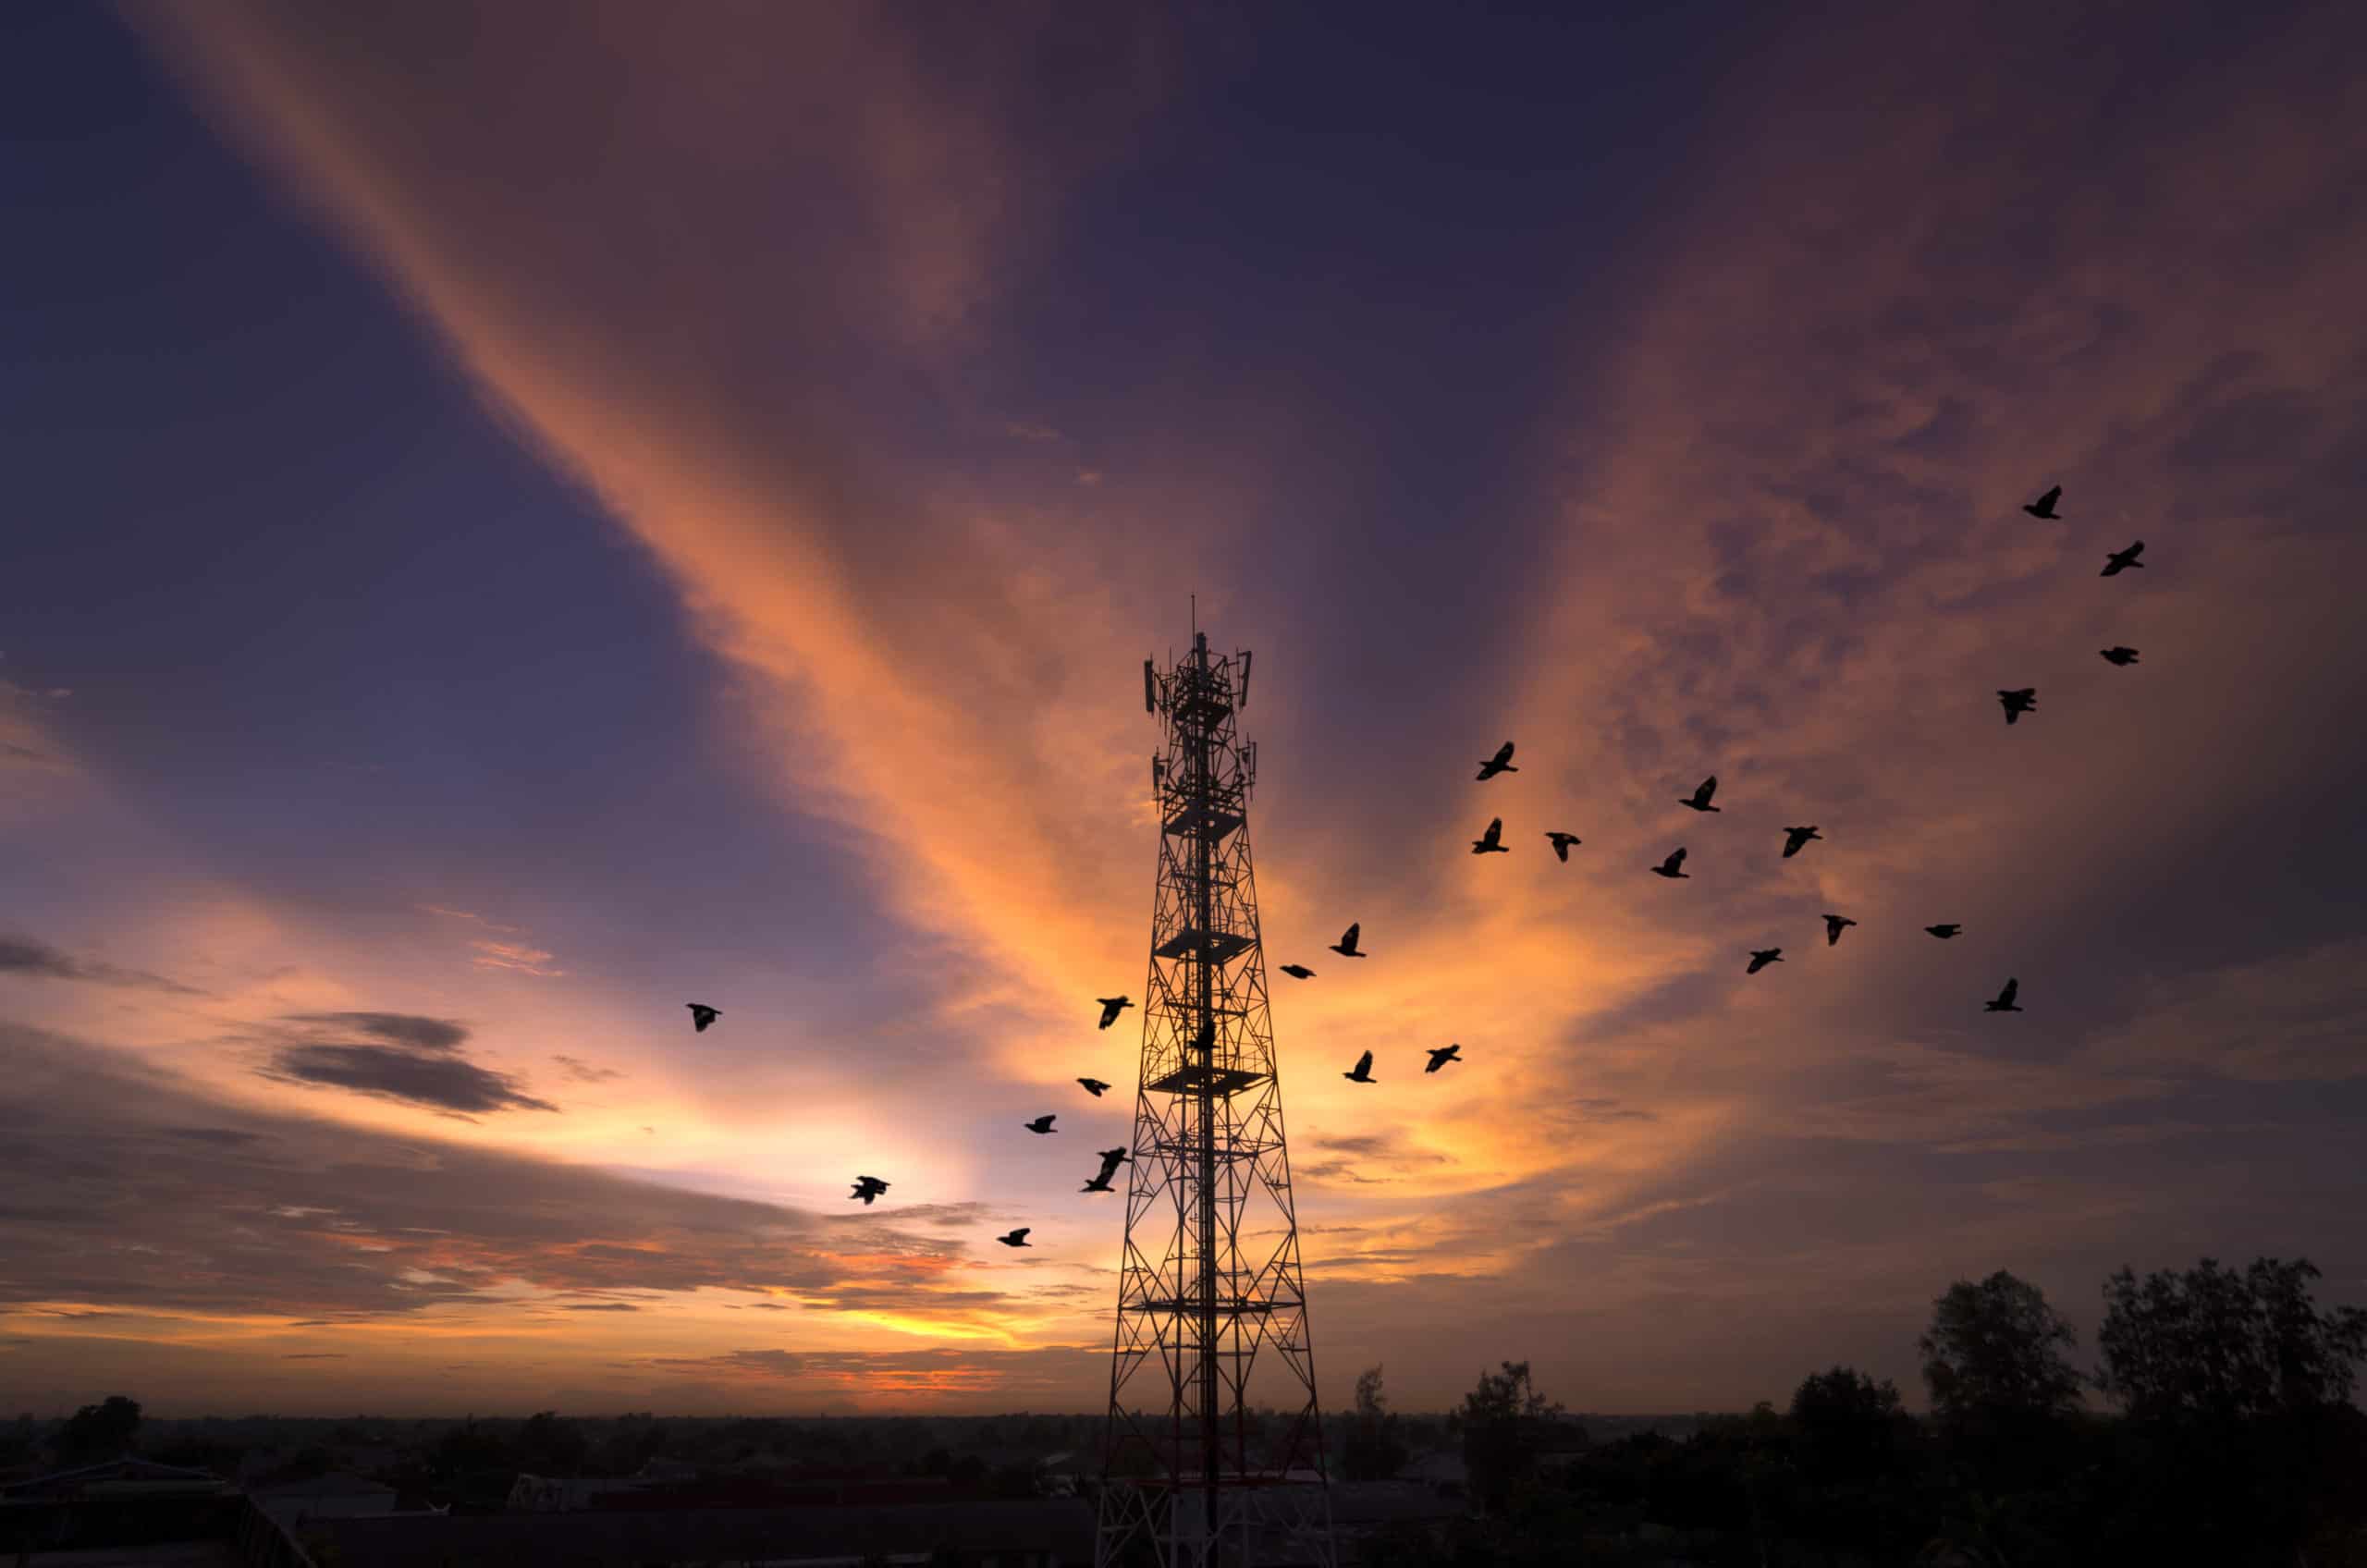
column 2235, row 1443
column 472, row 1460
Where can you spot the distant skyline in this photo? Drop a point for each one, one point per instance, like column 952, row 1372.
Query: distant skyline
column 523, row 517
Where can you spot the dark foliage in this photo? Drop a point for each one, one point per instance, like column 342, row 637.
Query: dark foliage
column 549, row 1445
column 99, row 1432
column 1374, row 1452
column 1997, row 1350
column 2215, row 1345
column 1850, row 1429
column 1503, row 1422
column 2011, row 1470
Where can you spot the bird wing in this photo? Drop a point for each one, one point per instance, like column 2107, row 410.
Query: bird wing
column 1675, row 859
column 1364, row 1062
column 1348, row 937
column 2049, row 499
column 1495, row 828
column 2006, row 996
column 1503, row 753
column 1021, row 1234
column 1708, row 788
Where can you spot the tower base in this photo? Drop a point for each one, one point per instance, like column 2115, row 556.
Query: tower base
column 1262, row 1522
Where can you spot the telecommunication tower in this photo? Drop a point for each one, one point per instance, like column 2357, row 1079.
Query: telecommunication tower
column 1194, row 1475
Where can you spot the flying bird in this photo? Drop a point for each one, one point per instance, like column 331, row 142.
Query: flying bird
column 1500, row 762
column 2044, row 506
column 1094, row 1086
column 1699, row 798
column 1300, row 971
column 2123, row 656
column 866, row 1188
column 2120, row 560
column 2004, row 1002
column 1110, row 1161
column 1346, row 945
column 1112, row 1007
column 2018, row 703
column 1833, row 925
column 1444, row 1055
column 1016, row 1239
column 1669, row 866
column 1795, row 837
column 1363, row 1075
column 1041, row 1124
column 701, row 1016
column 1762, row 957
column 1489, row 843
column 1562, row 842
column 1945, row 932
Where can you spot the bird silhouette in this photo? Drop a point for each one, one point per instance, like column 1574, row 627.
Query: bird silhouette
column 1833, row 925
column 2044, row 506
column 2121, row 560
column 1562, row 842
column 1762, row 957
column 1488, row 844
column 1041, row 1124
column 1699, row 798
column 1945, row 932
column 866, row 1188
column 1112, row 1007
column 2123, row 656
column 1094, row 1086
column 1444, row 1055
column 701, row 1016
column 2018, row 702
column 1500, row 762
column 1300, row 971
column 1110, row 1161
column 1795, row 837
column 1346, row 945
column 2004, row 1002
column 1363, row 1075
column 1017, row 1238
column 1669, row 866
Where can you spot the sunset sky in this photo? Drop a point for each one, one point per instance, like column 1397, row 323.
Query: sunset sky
column 520, row 515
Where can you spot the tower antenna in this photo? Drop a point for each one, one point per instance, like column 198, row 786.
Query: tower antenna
column 1210, row 1275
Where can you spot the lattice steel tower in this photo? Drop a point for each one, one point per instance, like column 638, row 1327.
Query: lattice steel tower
column 1193, row 1476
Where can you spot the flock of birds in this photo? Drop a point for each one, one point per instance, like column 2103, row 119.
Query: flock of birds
column 2016, row 703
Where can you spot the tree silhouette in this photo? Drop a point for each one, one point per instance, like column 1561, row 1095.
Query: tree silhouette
column 2224, row 1346
column 1501, row 1420
column 1373, row 1452
column 99, row 1432
column 468, row 1448
column 1849, row 1423
column 549, row 1445
column 1997, row 1349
